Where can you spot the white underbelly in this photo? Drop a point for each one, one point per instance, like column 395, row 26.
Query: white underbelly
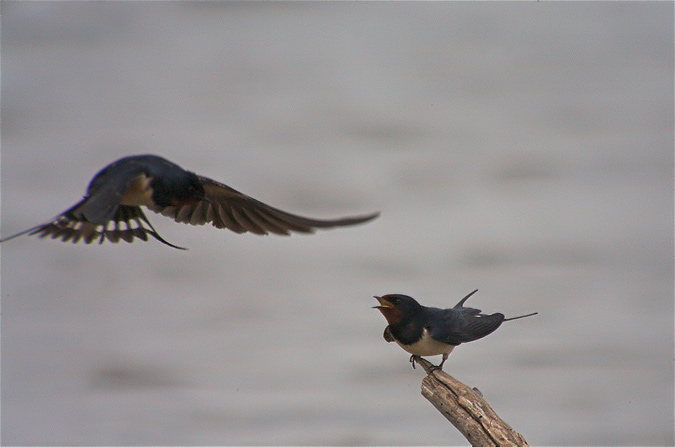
column 139, row 192
column 427, row 346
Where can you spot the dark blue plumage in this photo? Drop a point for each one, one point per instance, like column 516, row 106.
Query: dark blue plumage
column 424, row 331
column 111, row 209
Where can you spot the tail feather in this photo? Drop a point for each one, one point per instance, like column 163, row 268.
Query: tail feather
column 521, row 316
column 463, row 300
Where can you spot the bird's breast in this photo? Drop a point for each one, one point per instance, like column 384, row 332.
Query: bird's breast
column 427, row 346
column 139, row 192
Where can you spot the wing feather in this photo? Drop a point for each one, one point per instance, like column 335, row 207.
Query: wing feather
column 228, row 219
column 456, row 326
column 199, row 214
column 268, row 223
column 225, row 207
column 479, row 326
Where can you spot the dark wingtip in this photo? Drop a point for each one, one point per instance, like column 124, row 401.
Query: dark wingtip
column 355, row 220
column 31, row 230
column 315, row 224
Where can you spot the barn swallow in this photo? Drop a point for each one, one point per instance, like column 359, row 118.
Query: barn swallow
column 424, row 331
column 111, row 208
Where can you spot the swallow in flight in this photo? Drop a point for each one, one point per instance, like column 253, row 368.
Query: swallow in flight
column 424, row 331
column 111, row 208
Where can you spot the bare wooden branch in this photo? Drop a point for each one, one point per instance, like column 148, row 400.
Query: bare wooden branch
column 466, row 409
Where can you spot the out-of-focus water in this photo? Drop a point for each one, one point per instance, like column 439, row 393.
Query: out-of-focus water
column 522, row 149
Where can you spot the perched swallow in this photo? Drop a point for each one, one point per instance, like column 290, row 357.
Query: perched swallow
column 424, row 331
column 111, row 209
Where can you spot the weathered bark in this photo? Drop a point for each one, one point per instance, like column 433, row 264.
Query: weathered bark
column 466, row 409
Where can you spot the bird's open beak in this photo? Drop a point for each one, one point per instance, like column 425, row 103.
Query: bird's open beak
column 384, row 303
column 390, row 312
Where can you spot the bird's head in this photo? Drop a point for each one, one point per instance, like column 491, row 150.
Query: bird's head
column 189, row 190
column 179, row 189
column 194, row 187
column 397, row 307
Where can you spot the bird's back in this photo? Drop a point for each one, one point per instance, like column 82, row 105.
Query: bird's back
column 121, row 171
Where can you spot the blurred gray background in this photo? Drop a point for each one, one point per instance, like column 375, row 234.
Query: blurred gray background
column 522, row 149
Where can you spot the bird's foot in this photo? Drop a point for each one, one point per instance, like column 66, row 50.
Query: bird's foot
column 435, row 368
column 428, row 366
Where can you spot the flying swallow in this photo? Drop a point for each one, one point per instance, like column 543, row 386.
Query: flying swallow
column 424, row 331
column 111, row 209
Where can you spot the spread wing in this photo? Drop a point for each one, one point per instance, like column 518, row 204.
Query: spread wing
column 225, row 207
column 100, row 215
column 456, row 326
column 127, row 223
